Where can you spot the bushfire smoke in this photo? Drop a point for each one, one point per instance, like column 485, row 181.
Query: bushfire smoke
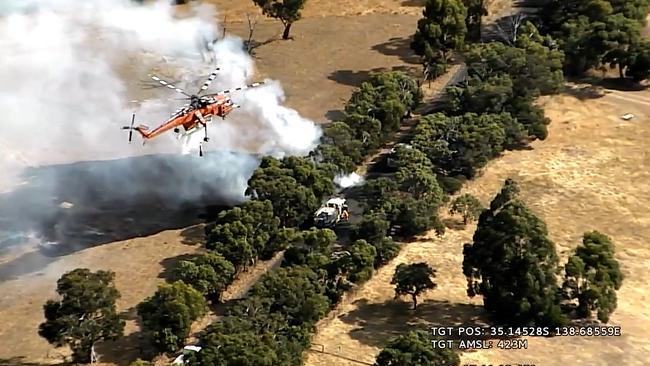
column 71, row 75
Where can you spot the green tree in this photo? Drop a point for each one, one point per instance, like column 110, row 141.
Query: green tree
column 330, row 154
column 242, row 233
column 468, row 206
column 513, row 264
column 342, row 135
column 534, row 66
column 387, row 249
column 413, row 279
column 209, row 273
column 372, row 228
column 380, row 104
column 399, row 85
column 420, row 182
column 230, row 240
column 480, row 94
column 633, row 9
column 84, row 315
column 312, row 248
column 637, row 61
column 294, row 186
column 460, row 144
column 375, row 191
column 294, row 292
column 413, row 216
column 415, row 349
column 406, row 156
column 243, row 348
column 367, row 128
column 595, row 33
column 441, row 31
column 476, row 10
column 359, row 264
column 592, row 276
column 279, row 241
column 287, row 11
column 168, row 315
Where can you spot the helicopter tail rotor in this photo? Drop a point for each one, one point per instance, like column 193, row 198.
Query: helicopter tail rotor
column 142, row 129
column 130, row 128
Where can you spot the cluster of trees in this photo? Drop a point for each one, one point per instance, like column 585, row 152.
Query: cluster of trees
column 374, row 111
column 234, row 241
column 513, row 264
column 416, row 348
column 493, row 109
column 273, row 325
column 600, row 33
column 445, row 28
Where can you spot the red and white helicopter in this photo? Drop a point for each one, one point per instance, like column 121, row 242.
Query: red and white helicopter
column 196, row 114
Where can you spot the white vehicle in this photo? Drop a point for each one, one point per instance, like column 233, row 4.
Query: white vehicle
column 627, row 116
column 331, row 213
column 186, row 350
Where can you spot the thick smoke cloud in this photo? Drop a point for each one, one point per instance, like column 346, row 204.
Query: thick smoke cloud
column 71, row 74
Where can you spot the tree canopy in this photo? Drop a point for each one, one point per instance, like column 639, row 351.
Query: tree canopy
column 85, row 313
column 415, row 348
column 242, row 233
column 287, row 11
column 168, row 315
column 595, row 34
column 468, row 206
column 592, row 276
column 461, row 144
column 513, row 264
column 413, row 279
column 294, row 186
column 441, row 30
column 208, row 273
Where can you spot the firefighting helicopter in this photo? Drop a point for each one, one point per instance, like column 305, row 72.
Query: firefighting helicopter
column 193, row 115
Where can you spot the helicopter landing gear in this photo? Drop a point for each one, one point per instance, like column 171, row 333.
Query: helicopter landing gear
column 177, row 130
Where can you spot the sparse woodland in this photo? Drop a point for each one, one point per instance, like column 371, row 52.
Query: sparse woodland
column 511, row 262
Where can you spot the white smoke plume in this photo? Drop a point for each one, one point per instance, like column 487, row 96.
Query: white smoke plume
column 69, row 73
column 350, row 180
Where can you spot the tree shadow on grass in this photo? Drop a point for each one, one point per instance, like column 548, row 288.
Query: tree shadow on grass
column 612, row 83
column 128, row 348
column 585, row 92
column 335, row 115
column 355, row 78
column 378, row 322
column 169, row 264
column 400, row 47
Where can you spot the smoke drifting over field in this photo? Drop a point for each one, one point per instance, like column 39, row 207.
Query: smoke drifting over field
column 68, row 77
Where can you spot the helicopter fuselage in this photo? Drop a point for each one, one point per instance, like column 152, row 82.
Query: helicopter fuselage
column 200, row 113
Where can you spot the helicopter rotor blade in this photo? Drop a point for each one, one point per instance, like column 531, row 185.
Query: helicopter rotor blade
column 253, row 85
column 168, row 85
column 209, row 81
column 131, row 129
